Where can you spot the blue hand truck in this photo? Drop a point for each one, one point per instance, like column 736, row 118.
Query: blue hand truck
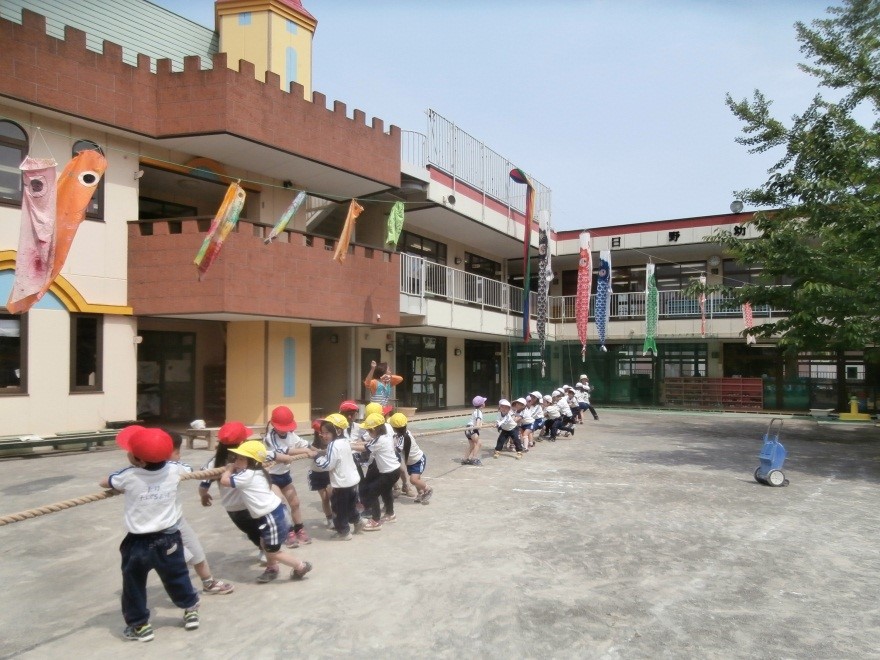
column 772, row 456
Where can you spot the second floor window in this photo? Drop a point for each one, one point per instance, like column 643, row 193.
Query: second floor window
column 13, row 149
column 481, row 266
column 95, row 209
column 420, row 246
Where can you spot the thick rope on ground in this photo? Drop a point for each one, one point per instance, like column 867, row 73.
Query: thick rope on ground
column 96, row 497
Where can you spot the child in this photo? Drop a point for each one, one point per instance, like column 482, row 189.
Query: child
column 338, row 460
column 526, row 420
column 319, row 478
column 247, row 474
column 551, row 418
column 231, row 435
column 153, row 541
column 573, row 403
column 585, row 398
column 564, row 423
column 508, row 428
column 192, row 547
column 472, row 455
column 537, row 410
column 282, row 444
column 380, row 387
column 383, row 472
column 413, row 457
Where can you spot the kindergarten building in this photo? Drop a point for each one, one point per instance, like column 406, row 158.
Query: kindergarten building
column 182, row 111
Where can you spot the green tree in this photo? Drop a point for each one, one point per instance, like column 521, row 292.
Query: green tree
column 824, row 231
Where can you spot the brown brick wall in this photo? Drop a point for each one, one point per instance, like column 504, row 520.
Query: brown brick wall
column 63, row 75
column 249, row 277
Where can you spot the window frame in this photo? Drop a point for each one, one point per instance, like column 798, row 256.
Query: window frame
column 23, row 145
column 97, row 199
column 97, row 386
column 23, row 355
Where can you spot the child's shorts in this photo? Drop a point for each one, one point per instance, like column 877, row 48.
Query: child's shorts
column 318, row 480
column 419, row 467
column 274, row 529
column 526, row 427
column 471, row 432
column 281, row 480
column 538, row 424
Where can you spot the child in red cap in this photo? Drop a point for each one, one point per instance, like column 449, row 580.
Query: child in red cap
column 282, row 444
column 153, row 542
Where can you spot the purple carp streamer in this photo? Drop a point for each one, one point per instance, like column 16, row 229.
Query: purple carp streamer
column 652, row 309
column 284, row 220
column 582, row 300
column 545, row 275
column 223, row 223
column 603, row 296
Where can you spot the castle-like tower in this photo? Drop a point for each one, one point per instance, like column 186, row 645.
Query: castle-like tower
column 275, row 35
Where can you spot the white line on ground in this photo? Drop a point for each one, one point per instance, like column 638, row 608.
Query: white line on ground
column 526, row 490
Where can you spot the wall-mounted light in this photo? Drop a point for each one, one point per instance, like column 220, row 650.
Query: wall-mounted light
column 389, row 347
column 138, row 174
column 458, row 261
column 334, row 339
column 457, row 351
column 137, row 339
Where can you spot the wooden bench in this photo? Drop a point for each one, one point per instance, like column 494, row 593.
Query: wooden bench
column 12, row 445
column 209, row 435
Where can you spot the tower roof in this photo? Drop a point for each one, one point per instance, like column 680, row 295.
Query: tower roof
column 294, row 6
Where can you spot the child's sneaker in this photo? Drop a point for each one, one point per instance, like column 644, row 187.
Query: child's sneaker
column 330, row 524
column 427, row 494
column 372, row 525
column 519, row 455
column 191, row 618
column 218, row 587
column 141, row 633
column 300, row 573
column 476, row 462
column 268, row 575
column 389, row 518
column 292, row 541
column 339, row 536
column 303, row 536
column 496, row 454
column 359, row 526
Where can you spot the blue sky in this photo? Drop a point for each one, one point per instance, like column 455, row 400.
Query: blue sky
column 616, row 105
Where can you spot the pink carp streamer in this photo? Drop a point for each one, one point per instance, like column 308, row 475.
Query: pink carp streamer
column 223, row 223
column 354, row 210
column 747, row 320
column 76, row 185
column 582, row 300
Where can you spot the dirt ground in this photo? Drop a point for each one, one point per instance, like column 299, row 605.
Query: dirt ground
column 643, row 536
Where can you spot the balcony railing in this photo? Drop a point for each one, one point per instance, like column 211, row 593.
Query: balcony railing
column 467, row 159
column 420, row 277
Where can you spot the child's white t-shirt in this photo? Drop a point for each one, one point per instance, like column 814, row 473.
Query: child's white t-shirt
column 151, row 503
column 275, row 444
column 382, row 452
column 258, row 495
column 339, row 462
column 476, row 418
column 415, row 452
column 230, row 499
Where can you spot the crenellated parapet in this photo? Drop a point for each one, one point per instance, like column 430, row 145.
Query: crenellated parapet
column 63, row 75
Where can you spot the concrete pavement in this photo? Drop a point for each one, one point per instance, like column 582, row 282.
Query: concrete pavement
column 644, row 536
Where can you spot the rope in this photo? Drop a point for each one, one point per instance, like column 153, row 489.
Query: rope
column 213, row 473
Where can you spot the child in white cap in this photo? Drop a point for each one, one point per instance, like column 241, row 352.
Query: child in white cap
column 522, row 409
column 472, row 433
column 508, row 428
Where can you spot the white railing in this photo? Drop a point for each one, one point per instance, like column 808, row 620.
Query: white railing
column 420, row 277
column 467, row 159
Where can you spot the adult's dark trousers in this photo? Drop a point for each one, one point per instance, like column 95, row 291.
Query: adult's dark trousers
column 344, row 504
column 158, row 552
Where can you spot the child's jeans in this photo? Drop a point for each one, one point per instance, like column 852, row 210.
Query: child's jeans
column 163, row 553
